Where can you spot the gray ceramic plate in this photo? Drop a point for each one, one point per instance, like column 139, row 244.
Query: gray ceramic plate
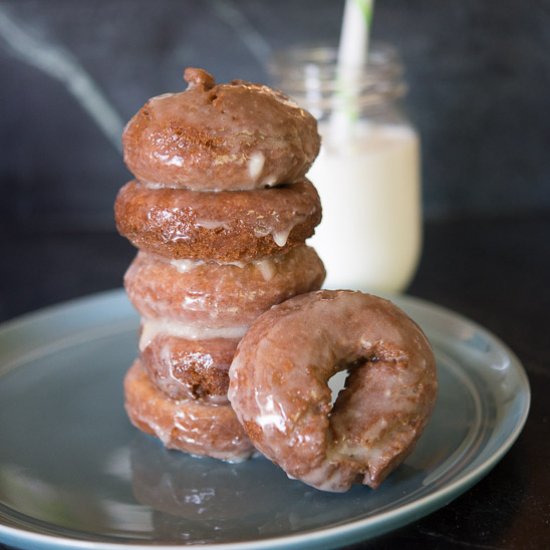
column 75, row 474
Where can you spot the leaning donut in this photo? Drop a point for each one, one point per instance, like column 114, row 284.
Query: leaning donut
column 226, row 226
column 234, row 136
column 217, row 295
column 186, row 425
column 278, row 387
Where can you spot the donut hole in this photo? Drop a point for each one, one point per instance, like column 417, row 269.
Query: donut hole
column 337, row 383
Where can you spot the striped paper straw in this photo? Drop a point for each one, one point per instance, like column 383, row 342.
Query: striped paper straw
column 352, row 57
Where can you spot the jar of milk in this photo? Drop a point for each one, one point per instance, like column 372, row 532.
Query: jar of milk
column 368, row 170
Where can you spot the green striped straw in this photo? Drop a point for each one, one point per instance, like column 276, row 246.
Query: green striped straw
column 352, row 56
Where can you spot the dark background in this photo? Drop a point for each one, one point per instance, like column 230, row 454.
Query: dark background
column 72, row 72
column 478, row 70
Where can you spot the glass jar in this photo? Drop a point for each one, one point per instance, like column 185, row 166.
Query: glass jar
column 368, row 170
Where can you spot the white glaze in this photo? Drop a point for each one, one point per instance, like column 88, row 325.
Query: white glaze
column 281, row 237
column 152, row 185
column 270, row 415
column 171, row 160
column 255, row 165
column 185, row 265
column 266, row 267
column 153, row 327
column 161, row 96
column 270, row 180
column 212, row 224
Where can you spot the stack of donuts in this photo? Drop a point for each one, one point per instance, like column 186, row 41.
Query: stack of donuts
column 219, row 211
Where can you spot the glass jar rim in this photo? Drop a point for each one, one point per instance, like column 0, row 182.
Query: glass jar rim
column 300, row 69
column 289, row 64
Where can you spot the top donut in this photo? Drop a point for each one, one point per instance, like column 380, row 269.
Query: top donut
column 220, row 137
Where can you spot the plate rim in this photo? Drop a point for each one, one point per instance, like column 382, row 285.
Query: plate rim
column 344, row 533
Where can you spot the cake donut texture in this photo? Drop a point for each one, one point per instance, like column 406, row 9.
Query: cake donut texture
column 279, row 391
column 225, row 226
column 210, row 294
column 190, row 369
column 219, row 211
column 187, row 425
column 213, row 137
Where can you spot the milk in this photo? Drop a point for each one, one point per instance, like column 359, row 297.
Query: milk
column 370, row 235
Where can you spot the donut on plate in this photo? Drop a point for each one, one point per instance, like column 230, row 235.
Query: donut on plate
column 234, row 136
column 187, row 425
column 217, row 295
column 278, row 387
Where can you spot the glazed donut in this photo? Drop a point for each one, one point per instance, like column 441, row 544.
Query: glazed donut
column 235, row 136
column 186, row 425
column 209, row 294
column 278, row 387
column 227, row 226
column 190, row 369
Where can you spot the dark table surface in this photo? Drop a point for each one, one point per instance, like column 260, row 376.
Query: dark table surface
column 497, row 272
